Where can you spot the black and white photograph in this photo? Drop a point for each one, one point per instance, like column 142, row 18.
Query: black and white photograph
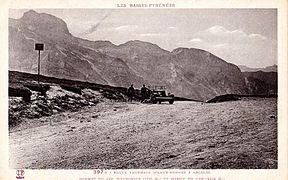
column 143, row 88
column 132, row 89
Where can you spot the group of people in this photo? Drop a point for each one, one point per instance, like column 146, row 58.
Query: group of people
column 131, row 93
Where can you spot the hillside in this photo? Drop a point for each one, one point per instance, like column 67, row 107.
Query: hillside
column 261, row 83
column 63, row 56
column 28, row 100
column 190, row 73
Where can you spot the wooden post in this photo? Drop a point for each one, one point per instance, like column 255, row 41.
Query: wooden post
column 39, row 47
column 38, row 66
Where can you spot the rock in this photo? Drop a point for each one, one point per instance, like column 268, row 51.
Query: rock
column 95, row 116
column 57, row 108
column 33, row 114
column 42, row 88
column 45, row 110
column 34, row 96
column 18, row 90
column 226, row 97
column 72, row 88
column 272, row 117
column 83, row 102
column 71, row 101
column 97, row 100
column 34, row 106
column 91, row 104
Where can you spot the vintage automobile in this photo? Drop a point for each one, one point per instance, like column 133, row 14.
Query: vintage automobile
column 160, row 96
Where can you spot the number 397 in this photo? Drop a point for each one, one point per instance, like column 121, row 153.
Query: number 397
column 98, row 171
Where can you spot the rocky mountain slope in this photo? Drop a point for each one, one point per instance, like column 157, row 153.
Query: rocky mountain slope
column 190, row 73
column 261, row 83
column 63, row 56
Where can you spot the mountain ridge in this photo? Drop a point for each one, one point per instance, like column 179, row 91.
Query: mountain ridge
column 186, row 72
column 272, row 68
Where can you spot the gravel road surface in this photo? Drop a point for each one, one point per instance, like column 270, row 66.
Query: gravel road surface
column 116, row 135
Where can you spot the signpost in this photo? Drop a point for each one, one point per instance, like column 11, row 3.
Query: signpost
column 39, row 47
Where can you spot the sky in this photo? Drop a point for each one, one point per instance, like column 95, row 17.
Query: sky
column 239, row 36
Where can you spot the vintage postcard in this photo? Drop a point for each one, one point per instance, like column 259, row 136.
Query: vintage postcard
column 135, row 90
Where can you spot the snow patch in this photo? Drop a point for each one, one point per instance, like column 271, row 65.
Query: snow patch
column 55, row 91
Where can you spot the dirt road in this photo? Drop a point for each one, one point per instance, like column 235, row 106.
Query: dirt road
column 239, row 134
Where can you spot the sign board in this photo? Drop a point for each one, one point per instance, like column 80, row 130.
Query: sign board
column 39, row 46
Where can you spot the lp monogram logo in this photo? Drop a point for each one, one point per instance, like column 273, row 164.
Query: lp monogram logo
column 20, row 174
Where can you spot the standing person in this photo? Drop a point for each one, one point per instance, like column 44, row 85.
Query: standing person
column 143, row 93
column 130, row 93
